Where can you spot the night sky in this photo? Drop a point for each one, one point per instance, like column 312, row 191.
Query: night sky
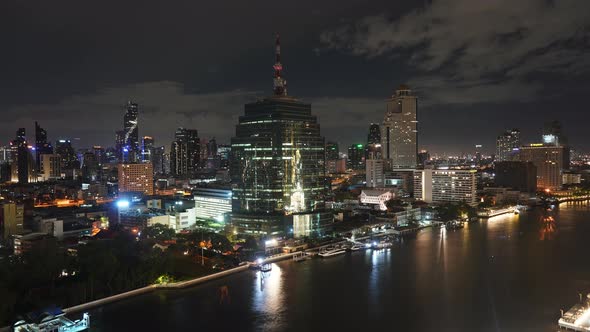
column 478, row 67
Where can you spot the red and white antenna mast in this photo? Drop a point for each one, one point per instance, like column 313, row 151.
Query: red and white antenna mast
column 280, row 84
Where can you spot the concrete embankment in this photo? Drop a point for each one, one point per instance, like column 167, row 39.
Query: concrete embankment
column 172, row 285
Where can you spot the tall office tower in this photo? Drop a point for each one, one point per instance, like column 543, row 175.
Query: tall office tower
column 131, row 132
column 185, row 152
column 99, row 154
column 549, row 163
column 553, row 135
column 445, row 186
column 212, row 148
column 158, row 159
column 356, row 157
column 69, row 160
column 332, row 151
column 21, row 151
column 119, row 145
column 373, row 149
column 50, row 167
column 223, row 151
column 147, row 148
column 277, row 167
column 138, row 178
column 23, row 168
column 399, row 132
column 90, row 166
column 423, row 157
column 508, row 145
column 41, row 145
column 375, row 175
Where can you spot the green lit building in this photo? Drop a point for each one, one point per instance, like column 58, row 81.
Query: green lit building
column 356, row 157
column 277, row 168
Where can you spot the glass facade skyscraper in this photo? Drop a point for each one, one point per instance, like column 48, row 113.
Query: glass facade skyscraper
column 399, row 133
column 131, row 150
column 508, row 145
column 185, row 152
column 278, row 168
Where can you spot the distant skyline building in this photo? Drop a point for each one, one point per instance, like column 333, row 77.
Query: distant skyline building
column 50, row 167
column 399, row 132
column 356, row 157
column 185, row 152
column 332, row 151
column 42, row 146
column 373, row 149
column 21, row 165
column 147, row 147
column 508, row 145
column 553, row 135
column 69, row 160
column 158, row 160
column 278, row 167
column 131, row 148
column 136, row 178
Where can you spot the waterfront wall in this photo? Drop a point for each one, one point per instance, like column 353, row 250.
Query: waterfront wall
column 172, row 285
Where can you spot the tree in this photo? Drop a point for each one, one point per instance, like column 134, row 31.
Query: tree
column 158, row 232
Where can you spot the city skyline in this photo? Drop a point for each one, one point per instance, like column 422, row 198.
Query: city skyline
column 542, row 78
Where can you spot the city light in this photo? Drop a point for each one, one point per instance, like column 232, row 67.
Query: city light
column 122, row 204
column 271, row 243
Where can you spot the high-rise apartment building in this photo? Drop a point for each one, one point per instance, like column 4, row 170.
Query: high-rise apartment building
column 131, row 149
column 138, row 178
column 356, row 157
column 158, row 160
column 50, row 167
column 375, row 175
column 399, row 132
column 185, row 153
column 277, row 167
column 445, row 186
column 21, row 167
column 508, row 145
column 553, row 135
column 549, row 163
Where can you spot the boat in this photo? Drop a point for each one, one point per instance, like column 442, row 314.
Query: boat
column 266, row 267
column 382, row 245
column 356, row 247
column 300, row 257
column 333, row 252
column 51, row 320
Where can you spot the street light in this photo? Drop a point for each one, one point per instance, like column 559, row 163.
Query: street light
column 121, row 204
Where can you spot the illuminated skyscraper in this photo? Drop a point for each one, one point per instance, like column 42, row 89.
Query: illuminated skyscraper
column 332, row 151
column 277, row 166
column 399, row 132
column 131, row 133
column 138, row 178
column 21, row 151
column 185, row 152
column 508, row 145
column 147, row 148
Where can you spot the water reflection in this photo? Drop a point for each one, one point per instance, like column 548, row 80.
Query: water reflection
column 548, row 229
column 268, row 298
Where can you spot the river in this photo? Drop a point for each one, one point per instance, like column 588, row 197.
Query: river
column 509, row 273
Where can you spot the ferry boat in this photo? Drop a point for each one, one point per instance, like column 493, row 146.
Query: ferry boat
column 332, row 252
column 382, row 245
column 51, row 320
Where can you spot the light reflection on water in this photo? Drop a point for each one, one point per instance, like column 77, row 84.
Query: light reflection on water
column 268, row 298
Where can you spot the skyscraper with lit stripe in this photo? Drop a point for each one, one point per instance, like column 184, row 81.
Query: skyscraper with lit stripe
column 277, row 167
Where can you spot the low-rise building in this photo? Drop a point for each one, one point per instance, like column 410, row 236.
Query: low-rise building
column 212, row 203
column 376, row 197
column 445, row 186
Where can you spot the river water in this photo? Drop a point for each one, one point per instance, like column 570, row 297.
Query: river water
column 509, row 273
